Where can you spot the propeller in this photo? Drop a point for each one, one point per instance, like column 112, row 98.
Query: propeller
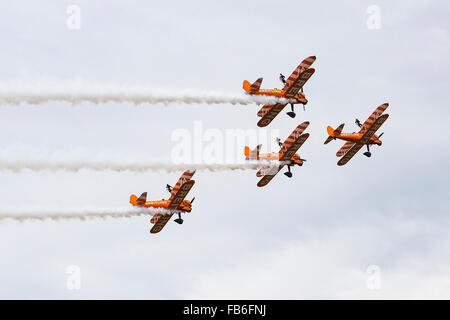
column 192, row 200
column 169, row 188
column 380, row 135
column 358, row 123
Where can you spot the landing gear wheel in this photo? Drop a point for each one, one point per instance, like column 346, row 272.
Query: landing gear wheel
column 288, row 174
column 367, row 153
column 179, row 220
column 291, row 114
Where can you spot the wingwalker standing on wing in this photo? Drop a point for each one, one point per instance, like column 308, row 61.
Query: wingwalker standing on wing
column 175, row 204
column 365, row 136
column 286, row 156
column 292, row 91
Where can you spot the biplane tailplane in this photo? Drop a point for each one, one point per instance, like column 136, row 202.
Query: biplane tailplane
column 332, row 133
column 252, row 154
column 135, row 201
column 328, row 139
column 142, row 199
column 252, row 88
column 337, row 131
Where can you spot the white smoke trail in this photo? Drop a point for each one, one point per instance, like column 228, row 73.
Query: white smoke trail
column 76, row 94
column 74, row 165
column 82, row 214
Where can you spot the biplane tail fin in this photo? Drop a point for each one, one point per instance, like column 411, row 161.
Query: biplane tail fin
column 333, row 132
column 252, row 154
column 252, row 88
column 135, row 201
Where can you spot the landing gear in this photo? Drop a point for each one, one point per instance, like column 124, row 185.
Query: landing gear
column 367, row 154
column 179, row 220
column 289, row 173
column 291, row 113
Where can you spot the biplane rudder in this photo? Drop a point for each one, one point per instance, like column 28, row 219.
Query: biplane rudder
column 252, row 154
column 246, row 85
column 254, row 87
column 133, row 199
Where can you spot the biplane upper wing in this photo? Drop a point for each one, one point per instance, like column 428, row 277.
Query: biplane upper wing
column 298, row 83
column 373, row 117
column 178, row 193
column 305, row 64
column 268, row 112
column 267, row 173
column 293, row 137
column 372, row 129
column 294, row 147
column 364, row 139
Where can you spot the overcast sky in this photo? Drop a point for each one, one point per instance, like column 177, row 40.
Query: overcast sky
column 312, row 236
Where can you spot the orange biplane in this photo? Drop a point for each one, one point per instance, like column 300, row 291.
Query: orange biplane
column 365, row 136
column 290, row 91
column 286, row 156
column 175, row 204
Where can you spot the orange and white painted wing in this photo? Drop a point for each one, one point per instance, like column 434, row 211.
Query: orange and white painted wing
column 268, row 112
column 301, row 67
column 160, row 220
column 294, row 147
column 186, row 176
column 180, row 195
column 156, row 217
column 344, row 148
column 350, row 153
column 294, row 136
column 267, row 173
column 298, row 83
column 373, row 117
column 373, row 128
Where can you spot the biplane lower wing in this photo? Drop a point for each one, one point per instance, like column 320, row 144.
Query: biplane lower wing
column 268, row 173
column 161, row 221
column 344, row 148
column 350, row 153
column 269, row 112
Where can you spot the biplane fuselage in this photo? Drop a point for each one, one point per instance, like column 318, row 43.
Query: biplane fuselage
column 275, row 156
column 356, row 137
column 175, row 204
column 300, row 96
column 184, row 206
